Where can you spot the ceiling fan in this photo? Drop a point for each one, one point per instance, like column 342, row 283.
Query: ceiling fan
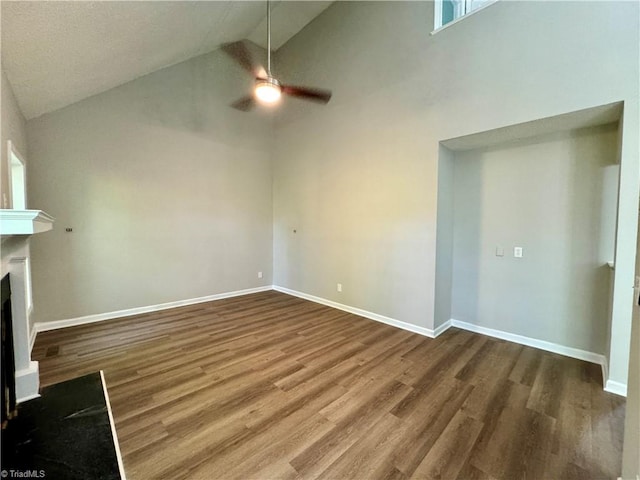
column 267, row 89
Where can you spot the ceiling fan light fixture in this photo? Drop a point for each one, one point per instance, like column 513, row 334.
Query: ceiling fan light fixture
column 268, row 90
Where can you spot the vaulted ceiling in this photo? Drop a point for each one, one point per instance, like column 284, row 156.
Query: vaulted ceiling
column 55, row 53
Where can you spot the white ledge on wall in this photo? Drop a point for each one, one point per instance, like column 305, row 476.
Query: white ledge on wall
column 24, row 222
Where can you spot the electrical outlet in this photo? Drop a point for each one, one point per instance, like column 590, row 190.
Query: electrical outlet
column 339, row 287
column 259, row 274
column 517, row 252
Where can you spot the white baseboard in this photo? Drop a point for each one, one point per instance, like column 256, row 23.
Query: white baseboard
column 27, row 398
column 532, row 342
column 72, row 322
column 440, row 329
column 617, row 388
column 610, row 386
column 27, row 383
column 363, row 313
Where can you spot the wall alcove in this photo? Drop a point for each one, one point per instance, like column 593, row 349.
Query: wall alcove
column 549, row 187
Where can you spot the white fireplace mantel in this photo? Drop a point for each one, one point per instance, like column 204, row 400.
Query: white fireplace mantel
column 24, row 222
column 16, row 228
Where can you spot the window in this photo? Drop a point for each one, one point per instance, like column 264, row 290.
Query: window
column 447, row 11
column 17, row 181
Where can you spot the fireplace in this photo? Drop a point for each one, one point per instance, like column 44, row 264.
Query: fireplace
column 16, row 228
column 8, row 361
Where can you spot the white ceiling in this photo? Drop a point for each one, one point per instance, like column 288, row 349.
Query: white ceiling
column 55, row 53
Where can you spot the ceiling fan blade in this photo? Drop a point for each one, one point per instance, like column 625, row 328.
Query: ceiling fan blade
column 317, row 95
column 244, row 104
column 241, row 53
column 261, row 73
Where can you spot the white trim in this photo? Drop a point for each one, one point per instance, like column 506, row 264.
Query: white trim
column 439, row 330
column 455, row 20
column 28, row 397
column 113, row 426
column 7, row 201
column 616, row 388
column 610, row 386
column 12, row 151
column 532, row 342
column 357, row 311
column 24, row 222
column 72, row 322
column 27, row 382
column 437, row 16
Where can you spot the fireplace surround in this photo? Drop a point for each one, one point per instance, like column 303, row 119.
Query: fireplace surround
column 16, row 229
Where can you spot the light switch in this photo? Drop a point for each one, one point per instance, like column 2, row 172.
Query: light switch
column 517, row 252
column 499, row 251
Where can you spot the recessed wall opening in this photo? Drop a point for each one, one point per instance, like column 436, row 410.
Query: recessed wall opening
column 526, row 231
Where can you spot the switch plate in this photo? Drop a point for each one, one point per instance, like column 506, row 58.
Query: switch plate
column 259, row 274
column 499, row 251
column 339, row 287
column 517, row 252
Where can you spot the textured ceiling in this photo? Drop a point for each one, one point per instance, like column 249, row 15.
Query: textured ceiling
column 55, row 53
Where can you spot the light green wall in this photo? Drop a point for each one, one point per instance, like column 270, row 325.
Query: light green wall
column 167, row 189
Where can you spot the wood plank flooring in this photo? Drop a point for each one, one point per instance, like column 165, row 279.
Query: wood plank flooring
column 268, row 386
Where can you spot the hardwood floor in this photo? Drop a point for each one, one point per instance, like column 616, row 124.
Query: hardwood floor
column 268, row 386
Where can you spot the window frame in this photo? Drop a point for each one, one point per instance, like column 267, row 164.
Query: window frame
column 16, row 173
column 458, row 5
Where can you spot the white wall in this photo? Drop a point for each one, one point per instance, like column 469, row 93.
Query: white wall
column 166, row 188
column 359, row 177
column 551, row 196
